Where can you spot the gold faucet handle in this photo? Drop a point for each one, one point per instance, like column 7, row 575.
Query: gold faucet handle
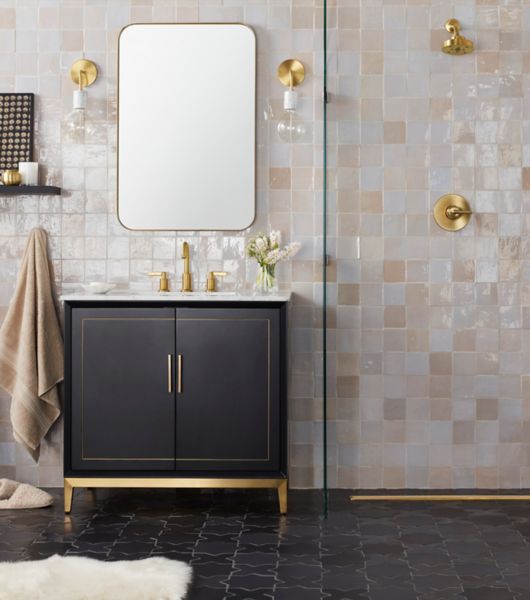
column 211, row 281
column 455, row 212
column 163, row 285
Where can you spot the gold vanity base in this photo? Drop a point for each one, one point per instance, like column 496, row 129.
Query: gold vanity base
column 177, row 483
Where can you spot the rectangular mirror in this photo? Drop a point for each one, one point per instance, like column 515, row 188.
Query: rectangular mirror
column 186, row 127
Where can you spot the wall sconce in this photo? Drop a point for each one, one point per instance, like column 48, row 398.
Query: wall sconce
column 458, row 44
column 83, row 73
column 291, row 128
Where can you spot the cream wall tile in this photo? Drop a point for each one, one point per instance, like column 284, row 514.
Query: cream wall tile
column 428, row 336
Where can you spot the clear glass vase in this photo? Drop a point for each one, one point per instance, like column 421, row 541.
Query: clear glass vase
column 266, row 282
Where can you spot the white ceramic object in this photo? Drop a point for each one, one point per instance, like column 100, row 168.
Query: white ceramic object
column 97, row 287
column 29, row 173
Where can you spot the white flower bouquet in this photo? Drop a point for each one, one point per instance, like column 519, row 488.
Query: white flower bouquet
column 267, row 251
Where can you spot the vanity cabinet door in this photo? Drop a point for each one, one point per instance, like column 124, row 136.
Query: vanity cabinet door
column 228, row 414
column 122, row 389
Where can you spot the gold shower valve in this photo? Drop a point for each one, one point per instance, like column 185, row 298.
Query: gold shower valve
column 452, row 212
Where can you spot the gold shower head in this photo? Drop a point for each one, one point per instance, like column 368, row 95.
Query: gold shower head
column 458, row 44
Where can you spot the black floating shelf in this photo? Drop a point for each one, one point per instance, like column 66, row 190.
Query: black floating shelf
column 29, row 190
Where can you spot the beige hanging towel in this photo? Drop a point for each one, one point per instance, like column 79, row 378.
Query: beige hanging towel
column 31, row 348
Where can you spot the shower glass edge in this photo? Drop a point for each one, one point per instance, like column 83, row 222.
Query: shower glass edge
column 324, row 261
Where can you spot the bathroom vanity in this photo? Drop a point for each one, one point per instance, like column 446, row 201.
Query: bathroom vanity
column 175, row 391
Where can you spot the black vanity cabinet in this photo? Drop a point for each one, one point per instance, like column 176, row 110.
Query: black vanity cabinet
column 228, row 414
column 175, row 394
column 122, row 412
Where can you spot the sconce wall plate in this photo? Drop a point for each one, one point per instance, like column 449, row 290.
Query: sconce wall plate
column 458, row 44
column 452, row 212
column 84, row 72
column 291, row 72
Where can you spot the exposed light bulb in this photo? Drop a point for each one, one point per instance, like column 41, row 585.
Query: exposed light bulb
column 291, row 128
column 75, row 121
column 74, row 126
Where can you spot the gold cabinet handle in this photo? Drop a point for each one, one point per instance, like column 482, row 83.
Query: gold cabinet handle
column 179, row 374
column 170, row 373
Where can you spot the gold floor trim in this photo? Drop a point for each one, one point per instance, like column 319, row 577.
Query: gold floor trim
column 440, row 497
column 70, row 483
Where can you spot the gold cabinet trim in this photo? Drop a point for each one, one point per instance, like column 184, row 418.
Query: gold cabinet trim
column 175, row 459
column 268, row 457
column 83, row 456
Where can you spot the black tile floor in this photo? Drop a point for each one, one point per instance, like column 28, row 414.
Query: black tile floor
column 240, row 548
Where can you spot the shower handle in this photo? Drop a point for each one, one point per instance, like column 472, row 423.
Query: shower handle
column 455, row 212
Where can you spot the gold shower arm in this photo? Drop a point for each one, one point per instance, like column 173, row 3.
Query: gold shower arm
column 458, row 44
column 453, row 26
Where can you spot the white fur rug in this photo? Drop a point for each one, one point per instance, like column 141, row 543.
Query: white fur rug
column 79, row 578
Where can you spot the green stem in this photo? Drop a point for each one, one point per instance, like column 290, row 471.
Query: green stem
column 266, row 279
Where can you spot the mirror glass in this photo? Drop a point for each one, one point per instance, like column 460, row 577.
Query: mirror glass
column 186, row 127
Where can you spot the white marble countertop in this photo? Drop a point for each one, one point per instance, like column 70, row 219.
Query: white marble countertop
column 125, row 296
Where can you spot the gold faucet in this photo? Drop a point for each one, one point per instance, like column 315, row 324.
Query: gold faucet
column 186, row 276
column 211, row 281
column 163, row 284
